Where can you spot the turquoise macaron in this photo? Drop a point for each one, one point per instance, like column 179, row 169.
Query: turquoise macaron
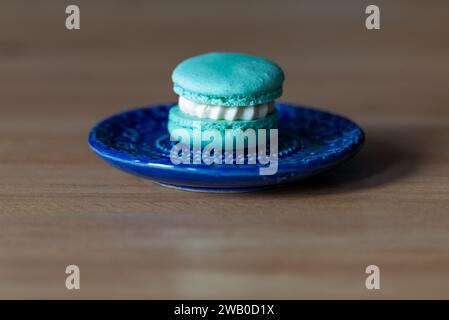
column 228, row 79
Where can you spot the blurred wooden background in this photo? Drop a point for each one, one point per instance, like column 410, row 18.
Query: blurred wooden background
column 61, row 205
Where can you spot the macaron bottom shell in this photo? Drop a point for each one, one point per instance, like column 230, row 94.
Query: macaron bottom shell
column 192, row 125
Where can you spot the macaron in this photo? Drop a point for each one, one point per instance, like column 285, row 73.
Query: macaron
column 225, row 90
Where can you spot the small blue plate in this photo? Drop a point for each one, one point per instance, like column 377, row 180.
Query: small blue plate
column 310, row 141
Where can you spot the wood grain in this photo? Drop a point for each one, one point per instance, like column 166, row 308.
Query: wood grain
column 61, row 205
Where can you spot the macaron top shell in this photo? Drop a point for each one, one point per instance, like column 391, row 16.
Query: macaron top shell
column 228, row 79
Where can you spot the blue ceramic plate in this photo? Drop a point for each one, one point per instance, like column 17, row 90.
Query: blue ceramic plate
column 310, row 141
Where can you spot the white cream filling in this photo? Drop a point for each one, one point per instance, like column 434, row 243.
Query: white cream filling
column 223, row 112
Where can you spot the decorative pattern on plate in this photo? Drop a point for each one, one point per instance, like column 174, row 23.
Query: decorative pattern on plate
column 310, row 141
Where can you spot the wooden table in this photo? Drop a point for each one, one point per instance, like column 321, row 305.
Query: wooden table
column 60, row 204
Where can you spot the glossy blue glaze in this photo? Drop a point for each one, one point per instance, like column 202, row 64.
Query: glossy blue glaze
column 310, row 141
